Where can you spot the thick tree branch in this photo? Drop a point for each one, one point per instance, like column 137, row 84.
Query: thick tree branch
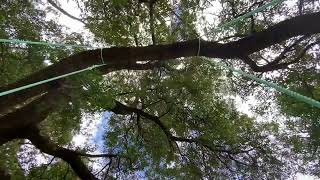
column 44, row 144
column 48, row 147
column 300, row 25
column 34, row 112
column 126, row 57
column 7, row 102
column 12, row 124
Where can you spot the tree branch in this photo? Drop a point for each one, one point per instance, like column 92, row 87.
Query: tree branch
column 7, row 102
column 126, row 57
column 73, row 158
column 70, row 156
column 120, row 108
column 287, row 49
column 301, row 54
column 34, row 112
column 107, row 165
column 123, row 109
column 47, row 165
column 65, row 12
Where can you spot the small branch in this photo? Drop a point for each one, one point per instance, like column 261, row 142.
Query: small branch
column 107, row 165
column 253, row 65
column 124, row 93
column 47, row 165
column 177, row 15
column 224, row 163
column 136, row 40
column 65, row 12
column 237, row 161
column 125, row 110
column 287, row 49
column 300, row 55
column 107, row 172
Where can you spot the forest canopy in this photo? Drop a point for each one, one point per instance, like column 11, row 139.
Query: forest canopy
column 163, row 111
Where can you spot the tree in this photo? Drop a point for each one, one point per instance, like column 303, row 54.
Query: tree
column 173, row 115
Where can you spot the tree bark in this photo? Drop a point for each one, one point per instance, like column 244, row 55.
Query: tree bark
column 73, row 159
column 34, row 112
column 125, row 57
column 13, row 125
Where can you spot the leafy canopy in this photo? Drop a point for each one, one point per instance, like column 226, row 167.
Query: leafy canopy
column 177, row 120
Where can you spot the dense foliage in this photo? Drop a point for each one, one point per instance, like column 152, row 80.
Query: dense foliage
column 179, row 119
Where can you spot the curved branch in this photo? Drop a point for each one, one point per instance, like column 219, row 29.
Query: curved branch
column 46, row 167
column 70, row 156
column 216, row 149
column 65, row 12
column 104, row 167
column 302, row 53
column 120, row 108
column 287, row 49
column 73, row 158
column 297, row 26
column 126, row 57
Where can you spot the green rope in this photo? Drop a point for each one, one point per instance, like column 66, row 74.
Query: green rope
column 17, row 41
column 286, row 91
column 48, row 80
column 240, row 18
column 234, row 21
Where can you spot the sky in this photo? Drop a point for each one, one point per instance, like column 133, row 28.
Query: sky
column 91, row 123
column 97, row 123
